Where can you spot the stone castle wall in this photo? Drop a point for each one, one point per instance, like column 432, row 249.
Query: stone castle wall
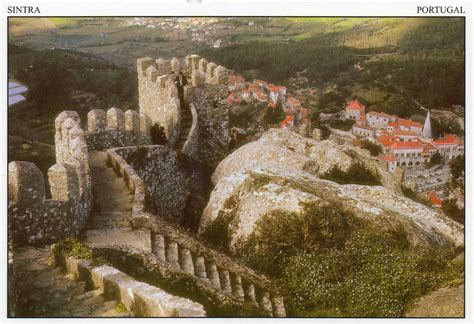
column 158, row 98
column 166, row 183
column 33, row 219
column 114, row 128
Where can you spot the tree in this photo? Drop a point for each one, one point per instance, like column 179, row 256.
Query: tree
column 373, row 148
column 274, row 115
column 157, row 134
column 436, row 159
column 451, row 209
column 457, row 166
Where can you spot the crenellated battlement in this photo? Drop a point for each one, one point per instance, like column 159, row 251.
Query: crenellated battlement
column 158, row 94
column 114, row 128
column 37, row 220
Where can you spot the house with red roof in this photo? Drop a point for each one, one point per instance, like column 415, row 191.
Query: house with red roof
column 245, row 94
column 409, row 126
column 354, row 109
column 391, row 162
column 449, row 146
column 407, row 153
column 434, row 199
column 288, row 122
column 276, row 92
column 236, row 82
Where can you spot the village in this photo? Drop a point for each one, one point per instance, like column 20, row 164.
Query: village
column 405, row 144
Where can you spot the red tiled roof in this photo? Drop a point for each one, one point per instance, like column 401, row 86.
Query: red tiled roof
column 407, row 145
column 386, row 140
column 288, row 119
column 355, row 105
column 408, row 123
column 449, row 139
column 428, row 147
column 434, row 199
column 389, row 158
column 400, row 132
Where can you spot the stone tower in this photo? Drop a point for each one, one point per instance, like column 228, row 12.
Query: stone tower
column 427, row 127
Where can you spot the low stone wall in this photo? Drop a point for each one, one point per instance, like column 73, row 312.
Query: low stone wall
column 139, row 297
column 166, row 184
column 134, row 183
column 33, row 219
column 115, row 128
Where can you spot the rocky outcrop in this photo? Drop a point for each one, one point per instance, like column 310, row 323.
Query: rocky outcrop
column 280, row 171
column 291, row 150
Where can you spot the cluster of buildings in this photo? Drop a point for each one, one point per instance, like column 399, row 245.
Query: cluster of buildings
column 263, row 92
column 405, row 143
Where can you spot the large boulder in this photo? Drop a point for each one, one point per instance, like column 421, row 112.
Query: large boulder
column 280, row 171
column 293, row 151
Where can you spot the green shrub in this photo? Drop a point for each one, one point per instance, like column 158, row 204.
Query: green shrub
column 218, row 233
column 331, row 264
column 451, row 209
column 280, row 235
column 344, row 125
column 373, row 148
column 436, row 159
column 357, row 173
column 72, row 247
column 374, row 275
column 410, row 193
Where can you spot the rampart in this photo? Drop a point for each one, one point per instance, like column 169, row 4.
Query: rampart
column 33, row 219
column 158, row 95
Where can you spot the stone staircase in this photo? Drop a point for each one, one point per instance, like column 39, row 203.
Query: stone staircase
column 109, row 221
column 185, row 254
column 186, row 122
column 45, row 291
column 111, row 225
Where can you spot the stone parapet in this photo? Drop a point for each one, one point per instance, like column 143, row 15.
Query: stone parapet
column 33, row 219
column 114, row 128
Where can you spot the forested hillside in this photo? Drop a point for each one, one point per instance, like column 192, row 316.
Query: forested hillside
column 421, row 58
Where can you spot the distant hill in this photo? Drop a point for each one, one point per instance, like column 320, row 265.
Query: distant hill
column 36, row 26
column 423, row 58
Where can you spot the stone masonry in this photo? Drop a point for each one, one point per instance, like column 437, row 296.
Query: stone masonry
column 33, row 219
column 206, row 92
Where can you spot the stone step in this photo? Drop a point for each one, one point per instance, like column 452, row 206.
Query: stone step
column 140, row 239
